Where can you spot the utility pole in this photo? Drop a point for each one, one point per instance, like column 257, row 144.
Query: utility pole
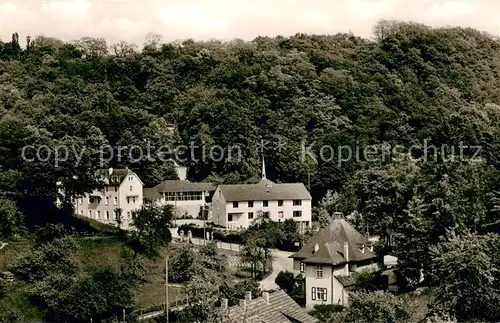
column 166, row 287
column 204, row 225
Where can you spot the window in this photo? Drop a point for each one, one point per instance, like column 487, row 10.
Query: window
column 130, row 178
column 90, row 213
column 133, row 199
column 297, row 214
column 318, row 293
column 81, row 200
column 302, row 267
column 128, row 215
column 107, row 200
column 98, row 214
column 280, row 214
column 321, row 294
column 265, row 203
column 319, row 272
column 91, row 200
column 250, row 215
column 107, row 215
column 250, row 203
column 130, row 188
column 116, row 201
column 235, row 204
column 280, row 202
column 81, row 212
column 183, row 196
column 230, row 217
column 128, row 200
column 297, row 202
column 116, row 188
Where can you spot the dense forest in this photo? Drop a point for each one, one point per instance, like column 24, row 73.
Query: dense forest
column 411, row 85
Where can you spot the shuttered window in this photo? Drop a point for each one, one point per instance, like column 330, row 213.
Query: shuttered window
column 313, row 292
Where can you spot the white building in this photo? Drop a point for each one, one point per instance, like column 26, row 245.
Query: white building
column 236, row 206
column 187, row 198
column 123, row 192
column 325, row 269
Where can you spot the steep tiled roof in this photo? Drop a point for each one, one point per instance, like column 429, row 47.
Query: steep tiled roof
column 183, row 186
column 281, row 309
column 150, row 193
column 347, row 281
column 115, row 175
column 331, row 241
column 265, row 190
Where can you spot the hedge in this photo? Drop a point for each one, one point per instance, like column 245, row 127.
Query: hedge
column 219, row 235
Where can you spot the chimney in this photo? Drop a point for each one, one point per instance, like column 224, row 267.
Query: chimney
column 243, row 304
column 316, row 248
column 223, row 303
column 346, row 257
column 346, row 251
column 248, row 296
column 265, row 296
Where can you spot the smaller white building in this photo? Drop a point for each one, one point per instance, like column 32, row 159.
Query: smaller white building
column 122, row 194
column 187, row 198
column 325, row 268
column 236, row 206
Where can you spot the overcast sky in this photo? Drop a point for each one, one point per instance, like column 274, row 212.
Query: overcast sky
column 131, row 20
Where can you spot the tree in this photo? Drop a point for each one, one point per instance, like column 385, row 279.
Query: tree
column 259, row 239
column 285, row 281
column 466, row 269
column 234, row 292
column 11, row 220
column 118, row 217
column 152, row 231
column 202, row 293
column 181, row 262
column 375, row 307
column 327, row 207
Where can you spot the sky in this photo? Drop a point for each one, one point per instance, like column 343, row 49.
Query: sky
column 131, row 20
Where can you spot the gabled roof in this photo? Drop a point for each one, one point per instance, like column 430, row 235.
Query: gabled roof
column 265, row 190
column 115, row 176
column 281, row 309
column 348, row 281
column 331, row 241
column 150, row 193
column 183, row 186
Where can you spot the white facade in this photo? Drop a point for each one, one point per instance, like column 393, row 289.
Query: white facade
column 126, row 195
column 240, row 214
column 322, row 277
column 185, row 203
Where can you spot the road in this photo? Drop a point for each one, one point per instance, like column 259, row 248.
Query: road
column 281, row 262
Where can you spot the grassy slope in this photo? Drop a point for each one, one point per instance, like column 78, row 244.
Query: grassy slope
column 96, row 251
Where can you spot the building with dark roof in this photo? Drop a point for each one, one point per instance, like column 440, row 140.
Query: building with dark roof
column 325, row 267
column 236, row 206
column 186, row 197
column 122, row 192
column 272, row 307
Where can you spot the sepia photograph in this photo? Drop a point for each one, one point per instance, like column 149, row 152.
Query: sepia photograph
column 249, row 161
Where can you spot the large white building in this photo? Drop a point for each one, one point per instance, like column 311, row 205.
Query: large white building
column 236, row 206
column 325, row 268
column 123, row 192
